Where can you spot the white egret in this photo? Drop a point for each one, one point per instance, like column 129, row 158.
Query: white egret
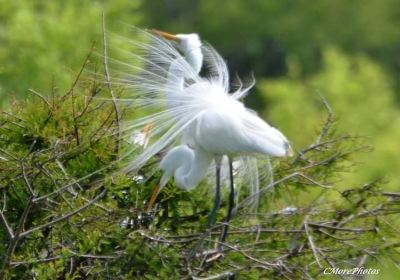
column 200, row 112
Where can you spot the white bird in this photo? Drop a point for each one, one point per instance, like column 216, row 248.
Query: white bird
column 199, row 111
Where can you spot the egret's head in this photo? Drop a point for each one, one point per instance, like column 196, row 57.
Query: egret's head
column 188, row 42
column 189, row 45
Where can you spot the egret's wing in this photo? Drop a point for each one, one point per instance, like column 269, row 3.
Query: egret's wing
column 263, row 137
column 241, row 132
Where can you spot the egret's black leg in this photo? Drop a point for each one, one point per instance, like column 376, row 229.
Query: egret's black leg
column 217, row 201
column 231, row 203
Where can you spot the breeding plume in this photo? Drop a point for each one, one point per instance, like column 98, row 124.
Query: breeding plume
column 196, row 116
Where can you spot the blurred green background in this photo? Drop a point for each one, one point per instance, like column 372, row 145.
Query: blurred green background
column 348, row 51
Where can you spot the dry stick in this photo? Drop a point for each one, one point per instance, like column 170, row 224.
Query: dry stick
column 223, row 275
column 63, row 188
column 357, row 230
column 73, row 254
column 14, row 241
column 9, row 229
column 311, row 242
column 9, row 156
column 108, row 82
column 95, row 90
column 27, row 181
column 242, row 231
column 64, row 217
column 76, row 130
column 325, row 128
column 236, row 249
column 40, row 96
column 79, row 73
column 71, row 92
column 167, row 241
column 4, row 200
column 331, row 263
column 82, row 197
column 394, row 194
column 329, row 120
column 17, row 263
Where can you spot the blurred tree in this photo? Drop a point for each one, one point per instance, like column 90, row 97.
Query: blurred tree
column 258, row 35
column 360, row 95
column 42, row 40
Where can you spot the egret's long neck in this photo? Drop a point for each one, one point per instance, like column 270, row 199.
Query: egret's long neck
column 195, row 59
column 198, row 169
column 177, row 73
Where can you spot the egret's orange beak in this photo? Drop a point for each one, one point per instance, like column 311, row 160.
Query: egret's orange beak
column 166, row 35
column 153, row 198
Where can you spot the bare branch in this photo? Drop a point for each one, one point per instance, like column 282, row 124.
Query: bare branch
column 40, row 96
column 329, row 119
column 66, row 216
column 14, row 241
column 109, row 86
column 311, row 242
column 356, row 230
column 8, row 228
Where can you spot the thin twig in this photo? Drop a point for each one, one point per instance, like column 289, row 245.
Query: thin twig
column 357, row 230
column 311, row 242
column 66, row 216
column 27, row 183
column 236, row 249
column 224, row 275
column 86, row 61
column 40, row 96
column 109, row 86
column 9, row 229
column 14, row 241
column 329, row 120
